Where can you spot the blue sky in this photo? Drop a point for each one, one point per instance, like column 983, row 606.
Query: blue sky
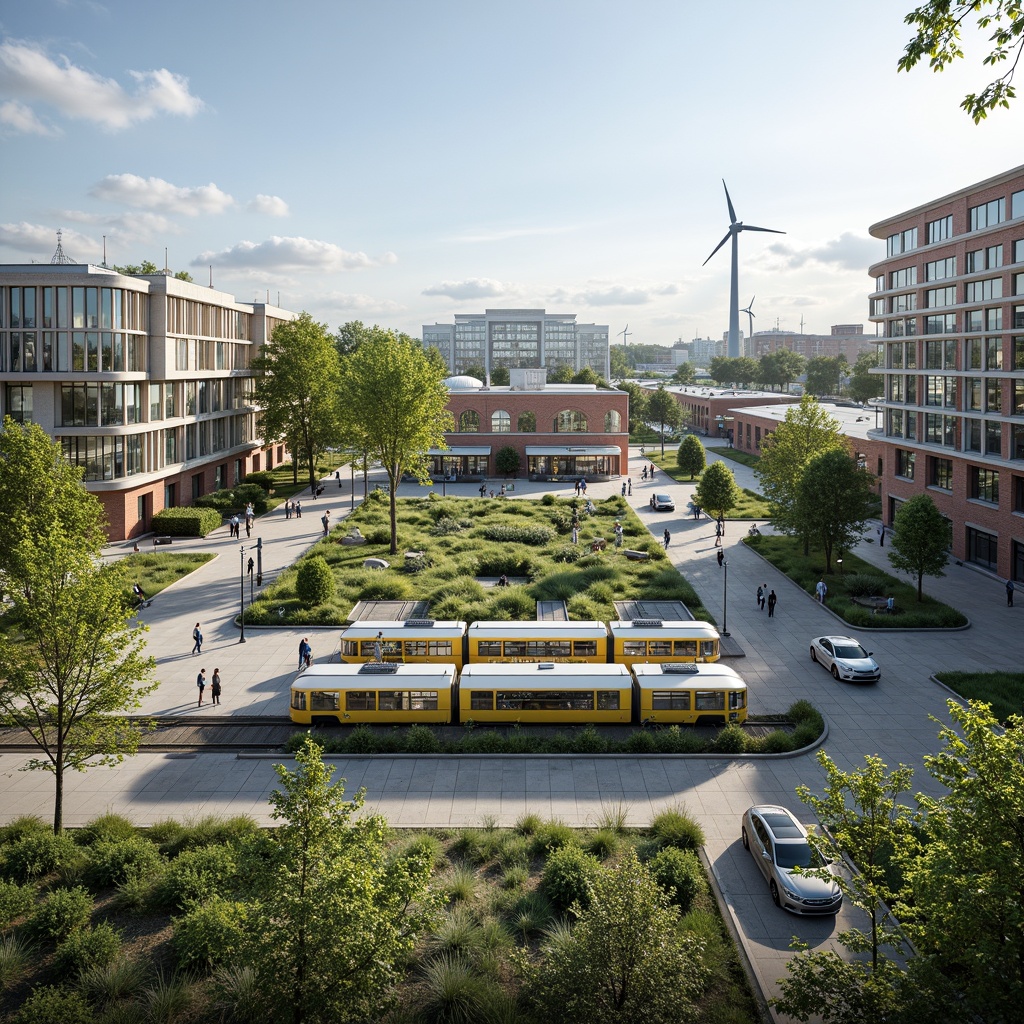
column 397, row 162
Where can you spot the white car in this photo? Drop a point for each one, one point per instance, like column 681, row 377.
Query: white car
column 662, row 503
column 778, row 843
column 845, row 659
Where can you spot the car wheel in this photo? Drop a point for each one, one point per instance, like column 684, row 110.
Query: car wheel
column 775, row 894
column 814, row 657
column 743, row 836
column 835, row 672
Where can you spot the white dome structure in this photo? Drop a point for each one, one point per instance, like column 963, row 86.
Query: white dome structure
column 462, row 382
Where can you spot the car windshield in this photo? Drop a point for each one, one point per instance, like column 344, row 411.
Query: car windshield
column 796, row 855
column 850, row 651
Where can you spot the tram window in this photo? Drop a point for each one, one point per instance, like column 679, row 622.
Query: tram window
column 585, row 648
column 349, row 648
column 607, row 700
column 366, row 649
column 299, row 700
column 415, row 648
column 737, row 699
column 549, row 648
column 422, row 700
column 545, row 700
column 360, row 700
column 686, row 649
column 391, row 700
column 440, row 648
column 670, row 700
column 634, row 648
column 481, row 700
column 707, row 648
column 660, row 648
column 323, row 700
column 710, row 700
column 489, row 648
column 515, row 648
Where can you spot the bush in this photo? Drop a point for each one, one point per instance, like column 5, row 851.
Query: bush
column 552, row 835
column 209, row 934
column 36, row 854
column 731, row 740
column 113, row 862
column 54, row 1006
column 109, row 827
column 603, row 843
column 590, row 741
column 676, row 827
column 314, row 582
column 447, row 525
column 568, row 876
column 262, row 479
column 535, row 536
column 863, row 584
column 195, row 876
column 186, row 522
column 569, row 553
column 640, row 742
column 15, row 900
column 27, row 824
column 679, row 874
column 421, row 739
column 87, row 948
column 61, row 913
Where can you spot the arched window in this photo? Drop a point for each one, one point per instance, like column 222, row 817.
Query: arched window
column 527, row 423
column 469, row 422
column 612, row 422
column 569, row 421
column 501, row 422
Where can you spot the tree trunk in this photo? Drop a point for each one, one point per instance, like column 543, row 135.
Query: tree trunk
column 393, row 481
column 58, row 797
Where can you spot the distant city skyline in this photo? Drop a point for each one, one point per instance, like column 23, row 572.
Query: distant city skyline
column 401, row 164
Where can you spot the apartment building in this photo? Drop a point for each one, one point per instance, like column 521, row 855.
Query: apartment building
column 144, row 381
column 949, row 308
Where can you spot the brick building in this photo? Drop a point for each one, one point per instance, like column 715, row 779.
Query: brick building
column 707, row 410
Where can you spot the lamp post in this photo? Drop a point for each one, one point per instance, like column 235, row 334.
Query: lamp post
column 839, row 562
column 352, row 471
column 241, row 592
column 725, row 599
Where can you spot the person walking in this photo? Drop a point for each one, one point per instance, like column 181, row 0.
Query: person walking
column 337, row 476
column 483, row 490
column 721, row 557
column 760, row 598
column 575, row 533
column 763, row 593
column 820, row 591
column 629, row 485
column 378, row 647
column 201, row 685
column 248, row 527
column 618, row 533
column 721, row 523
column 298, row 509
column 288, row 510
column 1009, row 593
column 215, row 686
column 772, row 599
column 881, row 536
column 667, row 537
column 197, row 638
column 326, row 520
column 718, row 535
column 643, row 474
column 623, row 488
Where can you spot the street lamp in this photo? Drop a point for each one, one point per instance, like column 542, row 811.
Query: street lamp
column 352, row 471
column 725, row 599
column 839, row 562
column 241, row 592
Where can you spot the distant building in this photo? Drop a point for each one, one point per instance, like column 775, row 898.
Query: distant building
column 707, row 409
column 519, row 338
column 845, row 339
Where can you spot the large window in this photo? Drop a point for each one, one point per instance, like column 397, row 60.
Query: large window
column 984, row 484
column 941, row 474
column 19, row 402
column 905, row 463
column 944, row 323
column 982, row 548
column 983, row 291
column 612, row 422
column 935, row 297
column 939, row 230
column 570, row 421
column 985, row 259
column 501, row 422
column 987, row 214
column 527, row 423
column 905, row 278
column 902, row 241
column 469, row 422
column 938, row 270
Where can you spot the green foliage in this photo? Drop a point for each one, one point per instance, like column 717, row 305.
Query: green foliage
column 112, row 861
column 1002, row 691
column 194, row 876
column 61, row 912
column 421, row 739
column 119, row 979
column 209, row 933
column 15, row 955
column 447, row 525
column 552, row 835
column 865, row 385
column 262, row 479
column 54, row 1006
column 535, row 536
column 690, row 457
column 107, row 827
column 730, row 740
column 920, row 540
column 35, row 854
column 663, row 408
column 186, row 522
column 824, row 374
column 314, row 582
column 506, row 460
column 679, row 874
column 865, row 584
column 677, row 827
column 87, row 948
column 15, row 900
column 717, row 491
column 568, row 877
column 234, row 499
column 603, row 843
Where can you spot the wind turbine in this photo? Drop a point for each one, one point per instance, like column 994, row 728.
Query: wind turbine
column 735, row 227
column 624, row 334
column 750, row 313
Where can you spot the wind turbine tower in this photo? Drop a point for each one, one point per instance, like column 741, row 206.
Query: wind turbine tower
column 624, row 334
column 750, row 315
column 735, row 227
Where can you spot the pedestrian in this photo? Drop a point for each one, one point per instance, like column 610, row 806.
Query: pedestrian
column 583, row 487
column 298, row 509
column 492, row 492
column 760, row 598
column 248, row 527
column 623, row 488
column 197, row 637
column 772, row 599
column 337, row 476
column 618, row 534
column 287, row 510
column 575, row 533
column 652, row 470
column 820, row 591
column 718, row 535
column 763, row 591
column 577, row 488
column 643, row 474
column 140, row 596
column 881, row 536
column 629, row 484
column 305, row 653
column 501, row 493
column 696, row 511
column 667, row 537
column 1009, row 593
column 233, row 526
column 326, row 520
column 721, row 523
column 721, row 557
column 215, row 686
column 201, row 685
column 483, row 490
column 378, row 647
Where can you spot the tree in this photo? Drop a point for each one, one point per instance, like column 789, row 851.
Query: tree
column 779, row 369
column 663, row 408
column 71, row 662
column 395, row 408
column 823, row 375
column 620, row 367
column 834, row 500
column 938, row 26
column 297, row 385
column 722, row 370
column 333, row 916
column 506, row 461
column 560, row 374
column 863, row 383
column 639, row 401
column 717, row 491
column 500, row 376
column 690, row 458
column 685, row 374
column 626, row 958
column 920, row 540
column 586, row 376
column 806, row 431
column 744, row 370
column 350, row 336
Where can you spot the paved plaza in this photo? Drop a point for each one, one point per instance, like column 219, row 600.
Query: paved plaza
column 891, row 719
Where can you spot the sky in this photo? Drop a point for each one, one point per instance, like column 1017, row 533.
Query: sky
column 399, row 162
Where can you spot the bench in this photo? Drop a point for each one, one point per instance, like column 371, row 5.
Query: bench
column 876, row 604
column 636, row 556
column 162, row 540
column 376, row 563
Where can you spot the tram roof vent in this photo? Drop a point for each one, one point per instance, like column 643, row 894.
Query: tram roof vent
column 545, row 665
column 648, row 623
column 682, row 667
column 418, row 623
column 378, row 668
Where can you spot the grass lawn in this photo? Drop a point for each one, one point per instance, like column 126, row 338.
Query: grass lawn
column 1003, row 690
column 157, row 571
column 285, row 488
column 749, row 506
column 465, row 538
column 858, row 579
column 744, row 458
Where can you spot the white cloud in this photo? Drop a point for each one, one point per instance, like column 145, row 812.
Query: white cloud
column 291, row 253
column 28, row 75
column 604, row 294
column 157, row 194
column 269, row 206
column 847, row 252
column 124, row 229
column 41, row 241
column 22, row 119
column 472, row 288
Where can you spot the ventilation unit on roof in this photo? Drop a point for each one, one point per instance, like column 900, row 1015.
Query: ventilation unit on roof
column 647, row 623
column 680, row 667
column 378, row 668
column 418, row 623
column 545, row 664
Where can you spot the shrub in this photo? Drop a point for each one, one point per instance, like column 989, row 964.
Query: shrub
column 590, row 741
column 603, row 843
column 423, row 847
column 54, row 1006
column 186, row 522
column 778, row 741
column 261, row 478
column 27, row 824
column 14, row 958
column 552, row 835
column 862, row 584
column 640, row 742
column 421, row 739
column 119, row 979
column 569, row 554
column 447, row 525
column 109, row 827
column 36, row 854
column 87, row 948
column 209, row 934
column 314, row 582
column 113, row 862
column 61, row 913
column 679, row 874
column 195, row 876
column 677, row 827
column 239, row 993
column 15, row 900
column 731, row 740
column 535, row 536
column 674, row 740
column 568, row 877
column 528, row 824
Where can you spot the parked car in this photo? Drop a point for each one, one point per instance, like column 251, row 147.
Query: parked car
column 662, row 503
column 845, row 659
column 778, row 843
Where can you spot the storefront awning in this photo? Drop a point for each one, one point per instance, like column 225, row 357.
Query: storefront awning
column 486, row 450
column 571, row 449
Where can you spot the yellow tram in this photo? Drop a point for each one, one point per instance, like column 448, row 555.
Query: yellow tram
column 680, row 692
column 657, row 640
column 537, row 640
column 412, row 641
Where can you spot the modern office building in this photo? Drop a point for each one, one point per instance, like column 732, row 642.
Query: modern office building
column 144, row 381
column 519, row 338
column 949, row 308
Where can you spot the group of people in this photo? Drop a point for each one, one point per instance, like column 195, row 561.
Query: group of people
column 235, row 523
column 214, row 686
column 627, row 487
column 766, row 597
column 293, row 508
column 646, row 474
column 581, row 486
column 305, row 653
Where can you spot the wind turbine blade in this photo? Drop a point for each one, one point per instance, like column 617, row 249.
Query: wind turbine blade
column 750, row 227
column 750, row 305
column 732, row 212
column 728, row 235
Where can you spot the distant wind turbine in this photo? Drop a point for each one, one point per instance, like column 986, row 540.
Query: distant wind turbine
column 735, row 227
column 750, row 313
column 624, row 334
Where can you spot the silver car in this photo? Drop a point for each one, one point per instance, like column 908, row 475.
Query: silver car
column 662, row 503
column 845, row 659
column 778, row 844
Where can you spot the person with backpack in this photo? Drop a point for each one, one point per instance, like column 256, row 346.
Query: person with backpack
column 201, row 684
column 197, row 638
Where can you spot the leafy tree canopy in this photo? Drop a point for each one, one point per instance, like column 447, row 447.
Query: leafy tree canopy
column 638, row 403
column 561, row 374
column 717, row 491
column 685, row 374
column 920, row 540
column 824, row 375
column 691, row 458
column 863, row 383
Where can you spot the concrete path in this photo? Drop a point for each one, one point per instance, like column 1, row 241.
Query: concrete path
column 891, row 719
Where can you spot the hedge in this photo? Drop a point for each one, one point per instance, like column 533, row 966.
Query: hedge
column 186, row 522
